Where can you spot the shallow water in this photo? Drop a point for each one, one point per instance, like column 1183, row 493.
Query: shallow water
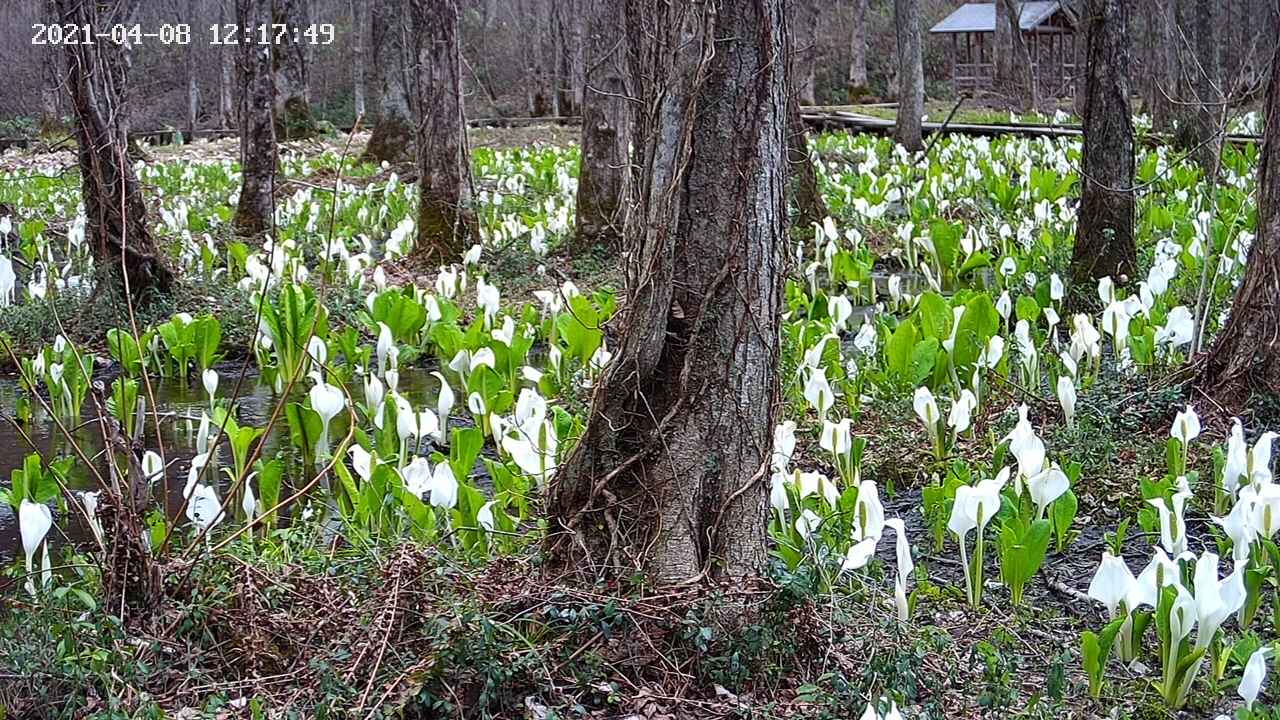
column 181, row 402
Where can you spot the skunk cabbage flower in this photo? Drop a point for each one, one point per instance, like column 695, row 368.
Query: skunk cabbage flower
column 1046, row 486
column 417, row 477
column 1178, row 328
column 784, row 445
column 152, row 466
column 840, row 310
column 975, row 505
column 778, row 495
column 90, row 502
column 210, row 379
column 443, row 487
column 1238, row 525
column 1255, row 674
column 384, row 346
column 1235, row 472
column 484, row 516
column 818, row 392
column 327, row 401
column 835, row 437
column 249, row 503
column 444, row 405
column 961, row 415
column 361, row 461
column 488, row 299
column 926, row 408
column 204, row 509
column 1260, row 460
column 902, row 549
column 1066, row 397
column 1186, row 426
column 1216, row 599
column 34, row 522
column 1112, row 582
column 373, row 395
column 1173, row 531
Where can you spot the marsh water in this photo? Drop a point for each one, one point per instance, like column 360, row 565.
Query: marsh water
column 180, row 403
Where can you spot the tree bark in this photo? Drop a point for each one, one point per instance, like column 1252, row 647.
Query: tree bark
column 446, row 221
column 906, row 19
column 289, row 62
column 226, row 70
column 1021, row 78
column 605, row 168
column 567, row 27
column 257, row 126
column 804, row 51
column 1199, row 132
column 1168, row 74
column 193, row 86
column 1002, row 49
column 1104, row 237
column 857, row 83
column 802, row 178
column 1246, row 356
column 392, row 137
column 670, row 476
column 115, row 211
column 359, row 19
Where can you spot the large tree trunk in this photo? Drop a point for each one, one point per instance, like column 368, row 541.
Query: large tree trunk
column 292, row 109
column 906, row 21
column 857, row 83
column 392, row 136
column 446, row 220
column 1021, row 78
column 804, row 51
column 670, row 476
column 1002, row 49
column 359, row 19
column 115, row 211
column 605, row 170
column 567, row 19
column 540, row 95
column 1246, row 357
column 1168, row 72
column 257, row 126
column 226, row 79
column 1104, row 234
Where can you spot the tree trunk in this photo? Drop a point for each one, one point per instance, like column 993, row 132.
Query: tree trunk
column 193, row 87
column 567, row 26
column 1168, row 72
column 857, row 84
column 115, row 211
column 359, row 19
column 226, row 68
column 446, row 221
column 605, row 169
column 392, row 136
column 906, row 20
column 257, row 126
column 289, row 63
column 670, row 476
column 804, row 51
column 1104, row 237
column 1200, row 132
column 802, row 179
column 1021, row 75
column 1002, row 49
column 1246, row 357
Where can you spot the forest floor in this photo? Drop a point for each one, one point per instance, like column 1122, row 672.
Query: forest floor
column 321, row 627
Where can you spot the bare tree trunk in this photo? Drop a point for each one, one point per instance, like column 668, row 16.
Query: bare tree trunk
column 1168, row 72
column 1104, row 237
column 605, row 169
column 1002, row 49
column 446, row 221
column 1201, row 76
column 257, row 126
column 567, row 19
column 540, row 94
column 1246, row 357
column 193, row 87
column 115, row 211
column 359, row 19
column 289, row 62
column 226, row 69
column 670, row 476
column 1021, row 75
column 857, row 84
column 804, row 50
column 906, row 20
column 392, row 137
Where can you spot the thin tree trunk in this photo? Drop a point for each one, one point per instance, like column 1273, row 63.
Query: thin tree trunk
column 1202, row 77
column 906, row 20
column 115, row 210
column 1246, row 357
column 359, row 19
column 1104, row 237
column 1021, row 75
column 857, row 83
column 1168, row 71
column 1002, row 49
column 670, row 476
column 226, row 69
column 392, row 137
column 567, row 25
column 802, row 179
column 446, row 221
column 605, row 169
column 193, row 87
column 257, row 126
column 804, row 51
column 292, row 109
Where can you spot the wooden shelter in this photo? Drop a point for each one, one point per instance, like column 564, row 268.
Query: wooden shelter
column 1048, row 28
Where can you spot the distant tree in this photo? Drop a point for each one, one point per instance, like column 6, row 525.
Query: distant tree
column 446, row 220
column 1166, row 72
column 193, row 83
column 226, row 74
column 604, row 176
column 802, row 178
column 803, row 25
column 359, row 21
column 1246, row 356
column 293, row 116
column 1021, row 78
column 906, row 19
column 857, row 82
column 1200, row 95
column 671, row 474
column 1104, row 232
column 257, row 126
column 115, row 210
column 392, row 136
